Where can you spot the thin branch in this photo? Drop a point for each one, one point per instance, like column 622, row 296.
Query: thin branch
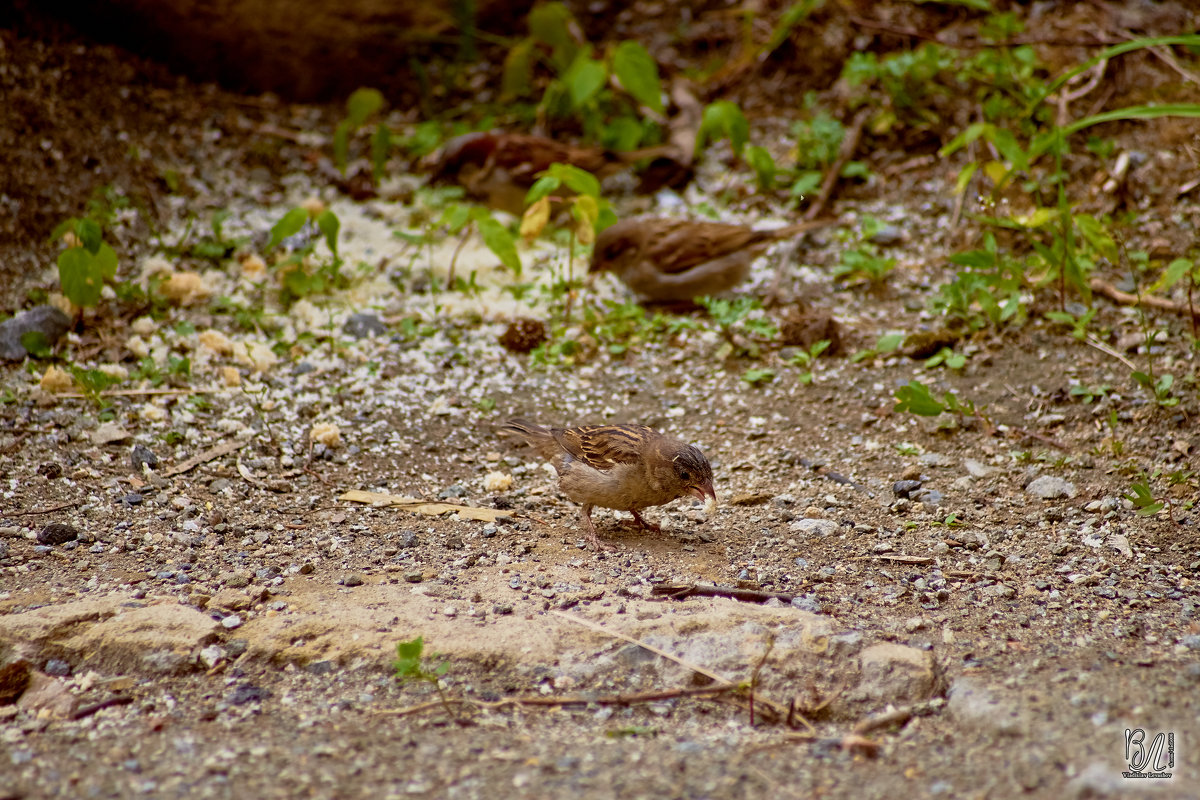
column 1106, row 289
column 695, row 590
column 845, row 153
column 587, row 623
column 1103, row 348
column 37, row 511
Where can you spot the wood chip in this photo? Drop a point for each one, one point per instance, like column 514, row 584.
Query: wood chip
column 212, row 453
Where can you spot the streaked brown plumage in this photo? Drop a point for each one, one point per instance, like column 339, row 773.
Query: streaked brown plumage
column 666, row 260
column 497, row 168
column 626, row 467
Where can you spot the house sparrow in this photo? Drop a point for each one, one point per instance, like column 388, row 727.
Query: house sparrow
column 498, row 168
column 626, row 467
column 666, row 260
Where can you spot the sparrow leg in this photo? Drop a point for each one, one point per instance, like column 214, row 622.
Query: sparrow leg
column 592, row 538
column 640, row 520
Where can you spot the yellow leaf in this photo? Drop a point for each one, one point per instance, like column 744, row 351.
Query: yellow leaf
column 1038, row 218
column 996, row 171
column 586, row 211
column 535, row 219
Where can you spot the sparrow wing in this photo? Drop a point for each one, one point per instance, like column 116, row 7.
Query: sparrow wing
column 604, row 447
column 683, row 245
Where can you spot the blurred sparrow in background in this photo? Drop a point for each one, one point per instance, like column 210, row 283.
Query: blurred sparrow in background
column 666, row 260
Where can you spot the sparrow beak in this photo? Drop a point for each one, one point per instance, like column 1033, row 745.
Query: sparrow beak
column 704, row 491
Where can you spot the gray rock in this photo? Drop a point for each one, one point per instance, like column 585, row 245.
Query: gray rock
column 57, row 667
column 887, row 235
column 905, row 488
column 361, row 325
column 57, row 533
column 896, row 673
column 977, row 469
column 975, row 705
column 143, row 455
column 1049, row 487
column 930, row 497
column 45, row 320
column 814, row 527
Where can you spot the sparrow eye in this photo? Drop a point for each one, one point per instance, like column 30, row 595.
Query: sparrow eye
column 685, row 475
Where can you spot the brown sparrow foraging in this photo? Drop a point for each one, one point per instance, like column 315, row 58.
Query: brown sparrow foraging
column 498, row 168
column 626, row 467
column 668, row 260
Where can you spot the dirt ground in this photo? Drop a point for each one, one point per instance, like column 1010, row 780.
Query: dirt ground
column 959, row 607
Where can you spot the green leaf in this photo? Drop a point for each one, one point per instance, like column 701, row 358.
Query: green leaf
column 89, row 233
column 792, row 16
column 362, row 104
column 551, row 23
column 1097, row 236
column 724, row 120
column 763, row 165
column 106, row 261
column 1008, row 146
column 381, row 145
column 329, row 225
column 517, row 79
column 61, row 228
column 637, row 71
column 288, row 225
column 1173, row 274
column 889, row 342
column 916, row 399
column 500, row 242
column 411, row 649
column 36, row 344
column 622, row 133
column 973, row 132
column 341, row 145
column 806, row 182
column 964, row 177
column 542, row 187
column 80, row 276
column 756, row 376
column 577, row 180
column 584, row 78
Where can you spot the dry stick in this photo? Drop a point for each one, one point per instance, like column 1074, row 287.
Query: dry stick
column 212, row 453
column 845, row 153
column 87, row 711
column 1066, row 98
column 695, row 590
column 1103, row 348
column 779, row 712
column 587, row 623
column 139, row 392
column 35, row 511
column 454, row 258
column 1106, row 289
